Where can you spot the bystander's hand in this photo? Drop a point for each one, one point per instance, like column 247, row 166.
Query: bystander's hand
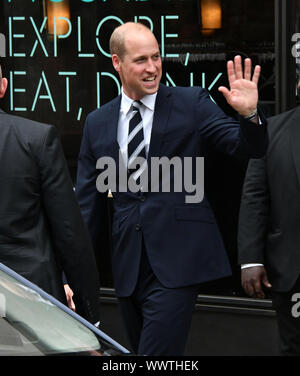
column 69, row 295
column 253, row 280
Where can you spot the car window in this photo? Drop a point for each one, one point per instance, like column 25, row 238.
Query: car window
column 12, row 342
column 31, row 324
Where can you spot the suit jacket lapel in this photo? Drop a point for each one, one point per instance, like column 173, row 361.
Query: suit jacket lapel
column 161, row 115
column 295, row 140
column 113, row 112
column 160, row 119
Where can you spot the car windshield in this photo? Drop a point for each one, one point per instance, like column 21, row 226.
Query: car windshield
column 32, row 325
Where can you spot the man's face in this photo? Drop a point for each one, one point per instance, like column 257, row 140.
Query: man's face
column 141, row 69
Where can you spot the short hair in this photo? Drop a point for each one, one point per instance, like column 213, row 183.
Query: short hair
column 117, row 39
column 117, row 44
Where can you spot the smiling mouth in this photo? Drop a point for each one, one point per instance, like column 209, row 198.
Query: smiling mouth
column 149, row 79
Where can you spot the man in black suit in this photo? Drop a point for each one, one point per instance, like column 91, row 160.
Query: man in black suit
column 269, row 235
column 165, row 243
column 41, row 228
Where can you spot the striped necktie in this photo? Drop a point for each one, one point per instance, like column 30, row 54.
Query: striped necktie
column 136, row 143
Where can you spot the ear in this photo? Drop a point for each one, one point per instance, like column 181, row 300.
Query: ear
column 116, row 62
column 3, row 87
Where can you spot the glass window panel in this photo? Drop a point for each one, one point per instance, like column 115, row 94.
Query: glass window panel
column 43, row 327
column 59, row 78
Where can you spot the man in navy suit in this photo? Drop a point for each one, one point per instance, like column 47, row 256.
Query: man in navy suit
column 163, row 246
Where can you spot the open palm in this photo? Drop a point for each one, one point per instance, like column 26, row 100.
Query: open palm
column 243, row 93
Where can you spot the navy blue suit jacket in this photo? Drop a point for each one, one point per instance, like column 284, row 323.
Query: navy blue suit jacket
column 182, row 240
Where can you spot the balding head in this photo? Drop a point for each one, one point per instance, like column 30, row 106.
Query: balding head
column 136, row 57
column 117, row 43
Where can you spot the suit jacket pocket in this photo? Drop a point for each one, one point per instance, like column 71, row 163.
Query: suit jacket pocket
column 194, row 213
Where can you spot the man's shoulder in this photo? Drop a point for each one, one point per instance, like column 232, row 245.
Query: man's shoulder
column 183, row 95
column 182, row 90
column 284, row 117
column 24, row 124
column 99, row 117
column 4, row 116
column 106, row 108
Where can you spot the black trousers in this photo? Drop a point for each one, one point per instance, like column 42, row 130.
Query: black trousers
column 287, row 307
column 157, row 318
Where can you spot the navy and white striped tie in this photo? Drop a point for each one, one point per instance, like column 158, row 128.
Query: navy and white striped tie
column 136, row 143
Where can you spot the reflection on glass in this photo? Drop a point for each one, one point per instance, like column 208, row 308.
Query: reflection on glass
column 44, row 325
column 77, row 75
column 57, row 14
column 211, row 16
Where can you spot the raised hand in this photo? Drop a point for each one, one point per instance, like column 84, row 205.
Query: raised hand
column 243, row 93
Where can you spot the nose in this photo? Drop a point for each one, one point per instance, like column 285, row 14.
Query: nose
column 150, row 66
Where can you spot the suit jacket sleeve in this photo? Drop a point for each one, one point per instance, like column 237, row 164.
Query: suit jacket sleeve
column 69, row 234
column 93, row 205
column 241, row 138
column 254, row 214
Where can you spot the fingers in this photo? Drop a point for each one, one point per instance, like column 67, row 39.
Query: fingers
column 253, row 279
column 238, row 67
column 231, row 72
column 256, row 74
column 69, row 295
column 71, row 304
column 247, row 69
column 226, row 93
column 254, row 289
column 235, row 70
column 266, row 282
column 258, row 291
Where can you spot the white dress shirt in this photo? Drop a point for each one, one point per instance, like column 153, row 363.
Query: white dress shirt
column 244, row 266
column 147, row 112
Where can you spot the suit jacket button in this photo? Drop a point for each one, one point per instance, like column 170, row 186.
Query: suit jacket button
column 138, row 227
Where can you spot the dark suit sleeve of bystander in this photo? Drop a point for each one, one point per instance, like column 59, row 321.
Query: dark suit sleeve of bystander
column 69, row 234
column 254, row 214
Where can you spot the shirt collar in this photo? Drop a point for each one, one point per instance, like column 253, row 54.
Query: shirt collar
column 148, row 101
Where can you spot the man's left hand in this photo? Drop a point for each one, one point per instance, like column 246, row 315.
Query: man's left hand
column 243, row 93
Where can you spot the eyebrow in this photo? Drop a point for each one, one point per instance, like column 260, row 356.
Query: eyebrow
column 145, row 57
